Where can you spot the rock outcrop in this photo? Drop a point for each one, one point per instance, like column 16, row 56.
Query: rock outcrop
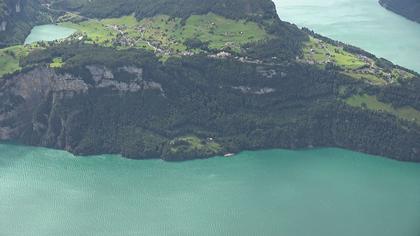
column 192, row 108
column 25, row 91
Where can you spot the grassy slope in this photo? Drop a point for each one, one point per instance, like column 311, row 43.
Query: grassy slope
column 372, row 103
column 170, row 33
column 318, row 51
column 191, row 144
column 9, row 58
column 163, row 32
column 361, row 68
column 356, row 66
column 220, row 31
column 96, row 31
column 57, row 63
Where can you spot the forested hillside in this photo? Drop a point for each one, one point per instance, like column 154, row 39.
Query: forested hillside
column 180, row 8
column 101, row 100
column 3, row 9
column 407, row 8
column 17, row 17
column 190, row 79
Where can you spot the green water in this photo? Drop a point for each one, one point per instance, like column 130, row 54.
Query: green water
column 363, row 23
column 48, row 33
column 318, row 192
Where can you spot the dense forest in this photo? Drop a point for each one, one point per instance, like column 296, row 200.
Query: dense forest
column 176, row 8
column 407, row 8
column 127, row 101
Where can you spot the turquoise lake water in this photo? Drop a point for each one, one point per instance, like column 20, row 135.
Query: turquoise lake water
column 48, row 33
column 317, row 192
column 363, row 23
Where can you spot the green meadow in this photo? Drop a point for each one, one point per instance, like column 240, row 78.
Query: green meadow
column 320, row 52
column 356, row 66
column 168, row 33
column 9, row 58
column 372, row 103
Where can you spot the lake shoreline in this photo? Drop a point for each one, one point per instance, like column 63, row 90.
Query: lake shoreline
column 396, row 38
column 48, row 32
column 256, row 193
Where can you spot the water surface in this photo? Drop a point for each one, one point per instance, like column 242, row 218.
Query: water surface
column 48, row 32
column 293, row 193
column 363, row 23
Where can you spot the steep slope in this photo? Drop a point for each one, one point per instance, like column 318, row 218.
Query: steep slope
column 106, row 101
column 407, row 8
column 180, row 8
column 17, row 17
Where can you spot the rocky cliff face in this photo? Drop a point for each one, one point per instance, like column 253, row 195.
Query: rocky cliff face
column 191, row 108
column 24, row 92
column 32, row 100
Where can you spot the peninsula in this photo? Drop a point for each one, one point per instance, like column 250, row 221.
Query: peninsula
column 185, row 79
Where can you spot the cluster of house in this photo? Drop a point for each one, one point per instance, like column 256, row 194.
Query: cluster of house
column 369, row 66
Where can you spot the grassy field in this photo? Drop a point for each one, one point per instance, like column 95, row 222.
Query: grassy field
column 170, row 34
column 162, row 33
column 359, row 67
column 57, row 62
column 194, row 144
column 372, row 103
column 221, row 32
column 96, row 31
column 404, row 75
column 372, row 78
column 320, row 52
column 9, row 58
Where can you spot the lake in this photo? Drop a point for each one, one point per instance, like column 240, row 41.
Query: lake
column 48, row 33
column 363, row 23
column 275, row 192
